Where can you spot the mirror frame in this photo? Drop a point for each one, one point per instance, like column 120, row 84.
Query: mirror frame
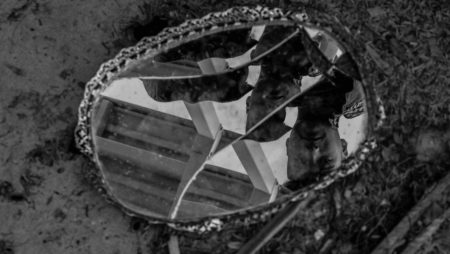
column 233, row 18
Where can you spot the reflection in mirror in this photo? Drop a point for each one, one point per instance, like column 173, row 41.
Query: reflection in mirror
column 211, row 54
column 311, row 138
column 227, row 122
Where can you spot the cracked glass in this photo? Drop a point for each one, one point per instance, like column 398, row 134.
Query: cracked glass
column 228, row 121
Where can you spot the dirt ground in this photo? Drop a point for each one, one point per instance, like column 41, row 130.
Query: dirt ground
column 50, row 48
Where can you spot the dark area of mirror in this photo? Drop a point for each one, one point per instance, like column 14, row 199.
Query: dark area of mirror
column 227, row 121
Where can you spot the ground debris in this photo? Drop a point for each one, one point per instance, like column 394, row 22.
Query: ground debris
column 396, row 236
column 6, row 247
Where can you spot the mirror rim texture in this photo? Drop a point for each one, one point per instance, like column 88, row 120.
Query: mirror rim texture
column 233, row 18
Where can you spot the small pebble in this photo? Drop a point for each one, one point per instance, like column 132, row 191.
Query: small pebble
column 319, row 234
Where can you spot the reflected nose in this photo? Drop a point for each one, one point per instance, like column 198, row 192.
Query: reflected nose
column 315, row 156
column 312, row 165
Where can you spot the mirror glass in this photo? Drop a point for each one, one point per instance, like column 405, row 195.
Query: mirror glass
column 228, row 121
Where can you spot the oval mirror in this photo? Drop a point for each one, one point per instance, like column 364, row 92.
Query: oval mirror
column 230, row 117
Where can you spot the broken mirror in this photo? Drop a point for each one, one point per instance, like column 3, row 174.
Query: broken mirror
column 225, row 115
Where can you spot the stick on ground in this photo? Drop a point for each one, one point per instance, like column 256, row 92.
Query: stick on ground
column 391, row 241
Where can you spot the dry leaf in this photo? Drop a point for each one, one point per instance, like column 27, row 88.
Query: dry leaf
column 234, row 245
column 376, row 12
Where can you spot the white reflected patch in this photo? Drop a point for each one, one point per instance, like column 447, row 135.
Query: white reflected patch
column 227, row 158
column 353, row 131
column 276, row 154
column 133, row 91
column 233, row 115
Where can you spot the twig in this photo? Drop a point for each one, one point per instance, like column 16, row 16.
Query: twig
column 274, row 226
column 420, row 240
column 380, row 221
column 327, row 246
column 173, row 245
column 398, row 233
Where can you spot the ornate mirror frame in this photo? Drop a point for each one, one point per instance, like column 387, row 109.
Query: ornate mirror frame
column 238, row 17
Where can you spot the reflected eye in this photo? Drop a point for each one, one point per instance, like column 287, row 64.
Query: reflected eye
column 312, row 146
column 276, row 95
column 313, row 71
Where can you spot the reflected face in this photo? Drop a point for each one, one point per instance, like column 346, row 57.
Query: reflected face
column 313, row 146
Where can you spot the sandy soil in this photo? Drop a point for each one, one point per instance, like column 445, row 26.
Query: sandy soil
column 48, row 50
